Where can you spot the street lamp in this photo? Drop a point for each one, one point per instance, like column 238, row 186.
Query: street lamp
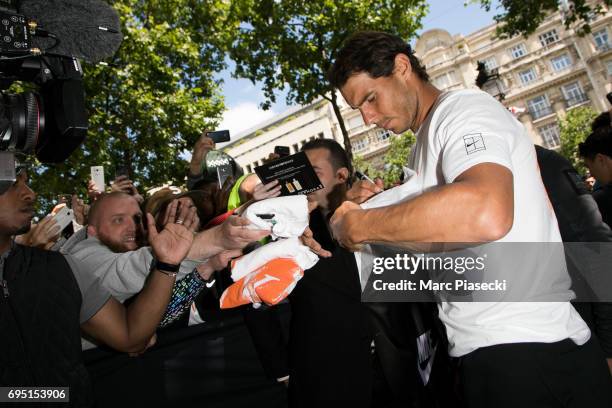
column 490, row 82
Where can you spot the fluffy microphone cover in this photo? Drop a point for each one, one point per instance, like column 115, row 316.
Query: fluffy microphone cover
column 75, row 23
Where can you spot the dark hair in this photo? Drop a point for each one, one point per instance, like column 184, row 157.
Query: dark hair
column 372, row 52
column 337, row 154
column 600, row 141
column 201, row 200
column 602, row 120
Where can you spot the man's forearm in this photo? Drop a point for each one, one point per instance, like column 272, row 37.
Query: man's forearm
column 452, row 213
column 147, row 310
column 206, row 244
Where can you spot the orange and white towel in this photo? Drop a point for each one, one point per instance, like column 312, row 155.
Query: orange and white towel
column 283, row 248
column 270, row 284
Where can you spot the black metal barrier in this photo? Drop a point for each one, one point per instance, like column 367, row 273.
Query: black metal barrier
column 213, row 364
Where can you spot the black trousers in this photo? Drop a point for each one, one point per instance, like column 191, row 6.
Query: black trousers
column 540, row 375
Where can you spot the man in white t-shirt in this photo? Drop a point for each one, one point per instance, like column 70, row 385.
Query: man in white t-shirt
column 481, row 184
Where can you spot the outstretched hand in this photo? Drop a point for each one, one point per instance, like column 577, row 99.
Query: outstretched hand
column 172, row 244
column 264, row 191
column 236, row 235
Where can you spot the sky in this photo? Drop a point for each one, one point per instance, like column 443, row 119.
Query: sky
column 242, row 98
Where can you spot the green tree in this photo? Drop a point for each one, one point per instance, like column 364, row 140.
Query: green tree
column 395, row 158
column 293, row 43
column 151, row 103
column 574, row 128
column 524, row 17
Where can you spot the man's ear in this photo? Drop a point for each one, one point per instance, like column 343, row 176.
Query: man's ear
column 342, row 174
column 91, row 231
column 402, row 67
column 605, row 160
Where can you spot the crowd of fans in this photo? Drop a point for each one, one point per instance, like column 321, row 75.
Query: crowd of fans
column 157, row 253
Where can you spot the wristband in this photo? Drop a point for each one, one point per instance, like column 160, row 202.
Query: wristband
column 167, row 269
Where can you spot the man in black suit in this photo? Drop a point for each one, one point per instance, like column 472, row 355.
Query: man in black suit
column 330, row 360
column 329, row 341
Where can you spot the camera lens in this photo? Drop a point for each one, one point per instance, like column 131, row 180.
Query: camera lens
column 21, row 122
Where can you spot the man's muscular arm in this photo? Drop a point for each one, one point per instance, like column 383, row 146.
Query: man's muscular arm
column 477, row 207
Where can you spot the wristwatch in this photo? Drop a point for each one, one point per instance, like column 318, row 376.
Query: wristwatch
column 166, row 269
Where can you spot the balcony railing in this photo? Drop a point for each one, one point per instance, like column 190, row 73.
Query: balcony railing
column 604, row 47
column 576, row 100
column 541, row 112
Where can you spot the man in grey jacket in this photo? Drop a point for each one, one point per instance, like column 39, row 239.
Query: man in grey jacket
column 114, row 251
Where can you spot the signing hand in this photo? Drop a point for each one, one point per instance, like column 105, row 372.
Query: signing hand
column 172, row 244
column 362, row 190
column 340, row 225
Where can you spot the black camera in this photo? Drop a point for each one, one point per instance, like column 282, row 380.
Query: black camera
column 50, row 122
column 41, row 45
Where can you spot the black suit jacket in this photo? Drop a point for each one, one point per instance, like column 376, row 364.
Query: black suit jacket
column 329, row 357
column 579, row 221
column 328, row 353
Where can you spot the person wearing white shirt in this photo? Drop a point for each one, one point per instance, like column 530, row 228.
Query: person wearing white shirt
column 481, row 184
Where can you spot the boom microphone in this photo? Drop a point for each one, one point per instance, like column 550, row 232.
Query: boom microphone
column 86, row 29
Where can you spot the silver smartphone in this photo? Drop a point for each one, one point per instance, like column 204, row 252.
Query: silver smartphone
column 64, row 217
column 97, row 175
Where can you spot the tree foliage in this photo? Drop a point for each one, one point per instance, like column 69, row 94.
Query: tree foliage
column 150, row 104
column 293, row 43
column 395, row 159
column 523, row 17
column 574, row 129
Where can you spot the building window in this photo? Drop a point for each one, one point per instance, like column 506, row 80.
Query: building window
column 355, row 122
column 490, row 63
column 360, row 144
column 255, row 164
column 609, row 67
column 539, row 107
column 573, row 94
column 249, row 168
column 321, row 135
column 436, row 61
column 528, row 76
column 548, row 38
column 312, row 138
column 550, row 135
column 445, row 80
column 561, row 62
column 601, row 40
column 518, row 51
column 382, row 134
column 296, row 148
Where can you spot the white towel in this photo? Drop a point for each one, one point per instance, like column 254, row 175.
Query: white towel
column 284, row 216
column 283, row 248
column 409, row 189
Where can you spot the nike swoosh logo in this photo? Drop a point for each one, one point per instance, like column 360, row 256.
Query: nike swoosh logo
column 423, row 365
column 267, row 278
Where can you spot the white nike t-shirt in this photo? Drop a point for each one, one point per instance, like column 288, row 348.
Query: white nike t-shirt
column 466, row 128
